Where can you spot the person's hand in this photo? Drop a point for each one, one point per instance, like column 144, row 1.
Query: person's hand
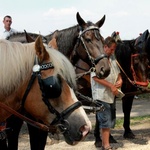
column 114, row 90
column 118, row 84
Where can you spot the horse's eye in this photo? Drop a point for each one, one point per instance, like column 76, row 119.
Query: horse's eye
column 88, row 40
column 136, row 60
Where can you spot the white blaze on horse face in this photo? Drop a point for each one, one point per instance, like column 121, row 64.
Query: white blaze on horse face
column 81, row 110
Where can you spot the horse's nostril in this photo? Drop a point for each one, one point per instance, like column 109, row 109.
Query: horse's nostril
column 85, row 130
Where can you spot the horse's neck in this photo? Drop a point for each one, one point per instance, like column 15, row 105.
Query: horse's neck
column 81, row 66
column 66, row 40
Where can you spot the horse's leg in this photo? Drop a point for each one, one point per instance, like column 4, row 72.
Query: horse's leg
column 127, row 106
column 3, row 144
column 15, row 124
column 38, row 137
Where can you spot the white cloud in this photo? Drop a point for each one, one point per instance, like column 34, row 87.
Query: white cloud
column 60, row 12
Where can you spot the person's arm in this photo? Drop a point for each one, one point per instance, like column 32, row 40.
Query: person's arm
column 107, row 84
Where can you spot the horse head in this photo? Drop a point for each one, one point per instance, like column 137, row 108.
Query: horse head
column 89, row 47
column 134, row 64
column 116, row 36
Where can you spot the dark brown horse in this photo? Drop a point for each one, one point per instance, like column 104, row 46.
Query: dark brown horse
column 80, row 43
column 84, row 42
column 49, row 96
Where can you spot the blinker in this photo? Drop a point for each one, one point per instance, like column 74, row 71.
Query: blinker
column 52, row 86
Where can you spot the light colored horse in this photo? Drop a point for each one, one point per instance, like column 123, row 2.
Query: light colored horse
column 51, row 98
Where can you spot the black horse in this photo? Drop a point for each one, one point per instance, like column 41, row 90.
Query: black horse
column 134, row 66
column 135, row 76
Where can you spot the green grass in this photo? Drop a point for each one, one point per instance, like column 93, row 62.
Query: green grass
column 144, row 96
column 133, row 121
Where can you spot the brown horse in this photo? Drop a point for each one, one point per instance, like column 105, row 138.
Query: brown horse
column 49, row 96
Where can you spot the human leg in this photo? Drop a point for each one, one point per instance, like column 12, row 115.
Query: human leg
column 98, row 141
column 105, row 137
column 106, row 121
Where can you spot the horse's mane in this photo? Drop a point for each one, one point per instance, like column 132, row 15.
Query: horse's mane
column 66, row 39
column 123, row 54
column 63, row 66
column 21, row 37
column 17, row 61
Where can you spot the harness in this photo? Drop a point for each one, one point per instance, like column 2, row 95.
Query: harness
column 97, row 106
column 51, row 83
column 80, row 37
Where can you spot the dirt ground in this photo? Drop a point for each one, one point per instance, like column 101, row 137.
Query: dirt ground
column 141, row 142
column 141, row 107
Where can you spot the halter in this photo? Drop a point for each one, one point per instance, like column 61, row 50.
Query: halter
column 134, row 81
column 96, row 60
column 134, row 74
column 60, row 117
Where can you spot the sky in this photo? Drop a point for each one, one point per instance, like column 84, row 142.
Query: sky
column 128, row 17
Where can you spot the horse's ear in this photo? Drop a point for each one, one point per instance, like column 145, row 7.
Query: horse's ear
column 28, row 37
column 53, row 43
column 80, row 21
column 101, row 22
column 40, row 49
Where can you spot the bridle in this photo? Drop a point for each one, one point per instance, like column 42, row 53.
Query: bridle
column 134, row 82
column 80, row 38
column 94, row 61
column 134, row 74
column 60, row 119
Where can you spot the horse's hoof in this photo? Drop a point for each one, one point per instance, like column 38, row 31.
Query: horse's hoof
column 129, row 135
column 98, row 143
column 111, row 139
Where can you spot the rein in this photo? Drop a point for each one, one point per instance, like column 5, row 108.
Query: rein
column 60, row 117
column 29, row 121
column 80, row 75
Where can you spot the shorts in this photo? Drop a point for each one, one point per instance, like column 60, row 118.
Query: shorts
column 107, row 118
